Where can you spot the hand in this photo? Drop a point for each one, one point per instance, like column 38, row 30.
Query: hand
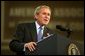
column 30, row 46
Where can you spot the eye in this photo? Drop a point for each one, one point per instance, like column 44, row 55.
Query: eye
column 49, row 14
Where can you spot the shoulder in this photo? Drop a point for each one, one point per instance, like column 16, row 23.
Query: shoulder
column 49, row 30
column 25, row 24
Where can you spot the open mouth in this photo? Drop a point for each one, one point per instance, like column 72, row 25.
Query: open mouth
column 45, row 19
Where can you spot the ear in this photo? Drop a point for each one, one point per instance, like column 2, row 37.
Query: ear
column 35, row 16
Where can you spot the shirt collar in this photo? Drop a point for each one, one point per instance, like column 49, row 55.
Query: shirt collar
column 37, row 25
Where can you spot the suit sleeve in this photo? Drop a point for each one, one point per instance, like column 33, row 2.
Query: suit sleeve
column 17, row 44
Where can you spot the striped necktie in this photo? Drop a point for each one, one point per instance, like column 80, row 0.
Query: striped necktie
column 40, row 34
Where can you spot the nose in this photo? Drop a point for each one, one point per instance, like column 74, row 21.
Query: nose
column 46, row 16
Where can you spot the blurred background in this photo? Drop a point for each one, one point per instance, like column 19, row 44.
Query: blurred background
column 66, row 13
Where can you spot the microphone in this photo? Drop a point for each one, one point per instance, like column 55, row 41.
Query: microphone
column 63, row 28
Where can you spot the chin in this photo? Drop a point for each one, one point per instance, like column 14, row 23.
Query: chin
column 45, row 24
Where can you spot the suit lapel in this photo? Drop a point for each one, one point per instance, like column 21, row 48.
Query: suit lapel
column 33, row 32
column 45, row 32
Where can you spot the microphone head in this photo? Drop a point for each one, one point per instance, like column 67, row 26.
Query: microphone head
column 61, row 28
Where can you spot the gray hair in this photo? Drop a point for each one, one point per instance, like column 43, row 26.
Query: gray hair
column 39, row 7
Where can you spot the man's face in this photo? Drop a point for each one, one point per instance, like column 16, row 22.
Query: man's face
column 43, row 17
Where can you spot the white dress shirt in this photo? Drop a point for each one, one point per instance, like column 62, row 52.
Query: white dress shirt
column 37, row 28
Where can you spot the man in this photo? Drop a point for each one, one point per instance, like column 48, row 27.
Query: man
column 26, row 34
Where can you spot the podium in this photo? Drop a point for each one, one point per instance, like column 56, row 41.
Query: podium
column 54, row 45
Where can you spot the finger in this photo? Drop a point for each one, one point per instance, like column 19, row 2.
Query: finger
column 29, row 47
column 34, row 43
column 33, row 47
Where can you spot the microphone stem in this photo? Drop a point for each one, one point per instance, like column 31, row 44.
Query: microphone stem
column 68, row 34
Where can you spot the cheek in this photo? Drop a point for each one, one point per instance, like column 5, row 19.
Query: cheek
column 49, row 17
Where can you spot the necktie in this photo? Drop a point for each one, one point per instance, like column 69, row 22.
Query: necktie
column 40, row 34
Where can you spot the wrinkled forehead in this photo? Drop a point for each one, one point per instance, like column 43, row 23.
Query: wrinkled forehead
column 44, row 8
column 39, row 8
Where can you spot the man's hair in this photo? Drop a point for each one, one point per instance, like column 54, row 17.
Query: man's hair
column 39, row 7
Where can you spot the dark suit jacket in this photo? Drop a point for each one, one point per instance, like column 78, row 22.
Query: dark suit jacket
column 25, row 32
